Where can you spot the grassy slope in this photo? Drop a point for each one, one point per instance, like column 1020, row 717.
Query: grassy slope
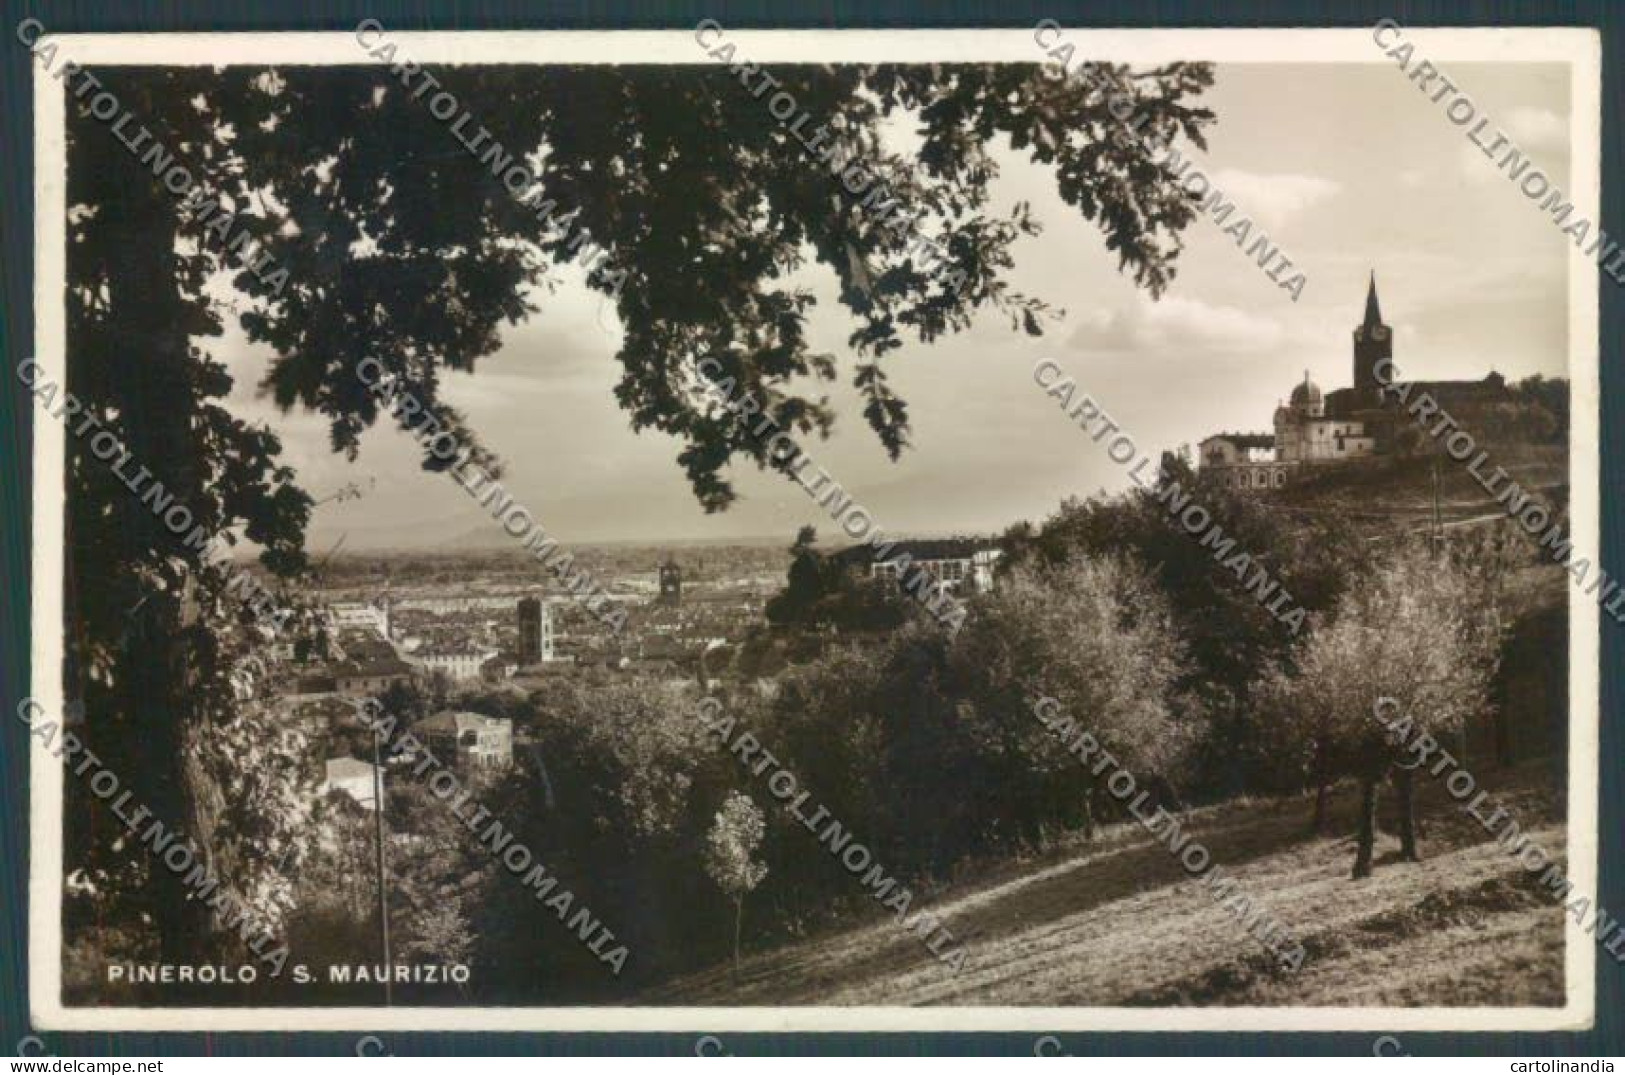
column 1118, row 923
column 1401, row 490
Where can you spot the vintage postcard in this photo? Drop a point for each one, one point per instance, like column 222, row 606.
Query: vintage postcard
column 713, row 530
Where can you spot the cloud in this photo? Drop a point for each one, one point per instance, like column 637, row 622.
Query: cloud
column 1537, row 128
column 1537, row 133
column 1177, row 323
column 1273, row 199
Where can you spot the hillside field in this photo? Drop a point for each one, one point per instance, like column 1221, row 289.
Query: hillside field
column 1117, row 922
column 1400, row 490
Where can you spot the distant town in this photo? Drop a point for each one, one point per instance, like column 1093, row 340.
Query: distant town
column 454, row 624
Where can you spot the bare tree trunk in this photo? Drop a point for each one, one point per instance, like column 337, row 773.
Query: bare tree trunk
column 1503, row 736
column 1317, row 824
column 1089, row 814
column 172, row 783
column 739, row 917
column 158, row 671
column 1367, row 836
column 1405, row 783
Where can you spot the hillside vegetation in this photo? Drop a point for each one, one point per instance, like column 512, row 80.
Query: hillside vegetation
column 1400, row 490
column 1118, row 923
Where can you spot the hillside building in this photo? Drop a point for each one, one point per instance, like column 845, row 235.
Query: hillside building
column 961, row 566
column 370, row 676
column 468, row 742
column 353, row 777
column 459, row 663
column 1348, row 425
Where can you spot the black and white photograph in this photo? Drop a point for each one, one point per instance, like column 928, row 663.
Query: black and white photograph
column 722, row 530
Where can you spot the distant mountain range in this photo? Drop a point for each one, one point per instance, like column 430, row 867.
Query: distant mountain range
column 456, row 536
column 497, row 538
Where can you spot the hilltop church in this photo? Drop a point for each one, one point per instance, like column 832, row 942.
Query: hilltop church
column 1344, row 426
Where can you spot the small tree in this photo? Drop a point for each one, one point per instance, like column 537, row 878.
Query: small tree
column 736, row 834
column 1417, row 631
column 805, row 584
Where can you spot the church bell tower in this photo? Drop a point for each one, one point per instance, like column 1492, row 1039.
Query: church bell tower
column 671, row 583
column 1373, row 342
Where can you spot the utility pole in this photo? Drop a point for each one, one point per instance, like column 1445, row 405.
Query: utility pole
column 1438, row 523
column 1438, row 554
column 383, row 889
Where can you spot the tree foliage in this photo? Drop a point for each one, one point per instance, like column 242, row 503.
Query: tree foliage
column 402, row 247
column 730, row 850
column 1418, row 632
column 1097, row 639
column 1227, row 633
column 730, row 846
column 824, row 591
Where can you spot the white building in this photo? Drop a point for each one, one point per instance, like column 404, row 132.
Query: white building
column 459, row 665
column 472, row 742
column 1313, row 429
column 1304, row 436
column 359, row 615
column 355, row 778
column 961, row 565
column 1304, row 433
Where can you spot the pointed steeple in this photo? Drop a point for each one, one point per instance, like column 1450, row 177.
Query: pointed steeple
column 1373, row 345
column 1373, row 312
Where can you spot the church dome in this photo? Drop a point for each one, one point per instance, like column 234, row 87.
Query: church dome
column 1307, row 393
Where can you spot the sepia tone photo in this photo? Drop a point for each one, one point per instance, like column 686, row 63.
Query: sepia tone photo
column 721, row 529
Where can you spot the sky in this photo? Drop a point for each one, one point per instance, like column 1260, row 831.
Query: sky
column 1348, row 167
